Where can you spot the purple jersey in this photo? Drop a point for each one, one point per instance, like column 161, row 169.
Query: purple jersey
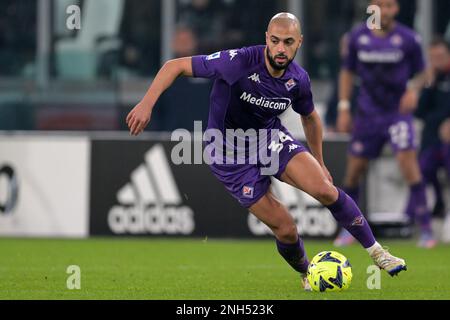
column 384, row 65
column 245, row 95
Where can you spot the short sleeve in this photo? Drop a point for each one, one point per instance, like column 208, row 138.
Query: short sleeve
column 304, row 104
column 350, row 56
column 226, row 65
column 417, row 59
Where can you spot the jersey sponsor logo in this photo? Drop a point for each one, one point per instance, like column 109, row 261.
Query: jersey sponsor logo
column 233, row 54
column 270, row 103
column 151, row 202
column 255, row 78
column 393, row 56
column 247, row 192
column 290, row 84
column 213, row 56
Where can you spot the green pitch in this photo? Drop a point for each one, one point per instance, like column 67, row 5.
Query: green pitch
column 200, row 269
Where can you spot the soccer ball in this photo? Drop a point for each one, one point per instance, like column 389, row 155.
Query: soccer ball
column 329, row 271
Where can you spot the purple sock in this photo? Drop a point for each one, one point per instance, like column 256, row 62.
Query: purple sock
column 347, row 213
column 417, row 209
column 294, row 254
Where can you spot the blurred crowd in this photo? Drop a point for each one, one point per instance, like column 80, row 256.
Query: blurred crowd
column 202, row 27
column 17, row 39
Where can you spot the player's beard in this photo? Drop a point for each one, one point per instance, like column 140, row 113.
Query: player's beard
column 276, row 65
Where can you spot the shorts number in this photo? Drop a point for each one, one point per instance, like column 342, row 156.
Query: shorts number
column 400, row 134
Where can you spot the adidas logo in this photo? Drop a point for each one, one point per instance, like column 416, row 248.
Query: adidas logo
column 151, row 202
column 255, row 77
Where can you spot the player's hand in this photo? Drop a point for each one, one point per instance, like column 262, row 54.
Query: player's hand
column 444, row 131
column 138, row 118
column 344, row 121
column 409, row 101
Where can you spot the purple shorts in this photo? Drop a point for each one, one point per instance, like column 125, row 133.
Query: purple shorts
column 247, row 182
column 371, row 134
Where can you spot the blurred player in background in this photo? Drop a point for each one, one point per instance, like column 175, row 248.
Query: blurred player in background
column 269, row 75
column 434, row 110
column 390, row 65
column 332, row 112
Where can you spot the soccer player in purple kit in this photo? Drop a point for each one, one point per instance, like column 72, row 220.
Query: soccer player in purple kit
column 252, row 86
column 390, row 65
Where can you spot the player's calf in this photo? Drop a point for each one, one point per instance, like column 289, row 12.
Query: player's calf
column 348, row 215
column 273, row 214
column 294, row 254
column 286, row 233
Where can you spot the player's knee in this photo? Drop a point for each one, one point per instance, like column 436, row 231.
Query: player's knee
column 287, row 233
column 325, row 193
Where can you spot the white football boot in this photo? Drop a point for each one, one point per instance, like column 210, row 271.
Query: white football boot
column 386, row 261
column 305, row 283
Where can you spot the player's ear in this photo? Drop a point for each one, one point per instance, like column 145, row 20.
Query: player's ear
column 300, row 42
column 267, row 37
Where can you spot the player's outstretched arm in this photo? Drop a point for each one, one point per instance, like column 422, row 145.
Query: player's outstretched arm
column 312, row 126
column 139, row 116
column 345, row 93
column 410, row 98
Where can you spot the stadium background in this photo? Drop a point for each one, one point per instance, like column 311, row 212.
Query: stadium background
column 69, row 168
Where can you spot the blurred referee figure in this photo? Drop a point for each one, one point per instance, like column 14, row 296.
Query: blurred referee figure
column 390, row 65
column 251, row 88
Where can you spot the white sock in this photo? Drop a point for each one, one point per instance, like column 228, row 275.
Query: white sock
column 372, row 249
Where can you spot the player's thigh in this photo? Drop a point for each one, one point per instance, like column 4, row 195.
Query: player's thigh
column 274, row 214
column 368, row 138
column 356, row 168
column 367, row 143
column 305, row 173
column 409, row 166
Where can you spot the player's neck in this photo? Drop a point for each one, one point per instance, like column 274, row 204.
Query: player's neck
column 384, row 31
column 275, row 73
